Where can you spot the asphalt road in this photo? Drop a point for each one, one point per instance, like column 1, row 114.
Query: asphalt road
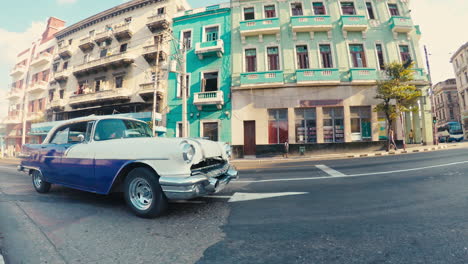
column 393, row 209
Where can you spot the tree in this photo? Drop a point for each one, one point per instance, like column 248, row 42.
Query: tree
column 398, row 96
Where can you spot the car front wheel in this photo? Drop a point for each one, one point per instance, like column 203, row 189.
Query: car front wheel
column 39, row 184
column 143, row 194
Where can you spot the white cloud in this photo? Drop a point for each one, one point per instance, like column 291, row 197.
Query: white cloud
column 443, row 26
column 63, row 2
column 12, row 43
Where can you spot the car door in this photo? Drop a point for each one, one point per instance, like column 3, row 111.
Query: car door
column 52, row 153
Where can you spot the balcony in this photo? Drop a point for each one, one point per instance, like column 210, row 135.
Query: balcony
column 401, row 24
column 317, row 76
column 210, row 48
column 86, row 44
column 62, row 75
column 65, row 51
column 15, row 94
column 41, row 59
column 363, row 75
column 18, row 71
column 36, row 116
column 353, row 23
column 37, row 87
column 97, row 98
column 262, row 79
column 103, row 36
column 146, row 88
column 311, row 24
column 158, row 22
column 419, row 75
column 149, row 53
column 122, row 31
column 11, row 120
column 418, row 31
column 102, row 64
column 57, row 103
column 209, row 98
column 260, row 27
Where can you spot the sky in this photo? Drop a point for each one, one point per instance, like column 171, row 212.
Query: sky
column 443, row 26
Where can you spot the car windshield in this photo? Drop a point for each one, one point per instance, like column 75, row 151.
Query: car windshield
column 117, row 128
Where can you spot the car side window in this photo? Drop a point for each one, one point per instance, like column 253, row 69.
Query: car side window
column 108, row 129
column 61, row 136
column 76, row 130
column 136, row 129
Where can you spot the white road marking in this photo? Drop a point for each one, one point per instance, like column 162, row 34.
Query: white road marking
column 240, row 197
column 219, row 196
column 330, row 171
column 354, row 175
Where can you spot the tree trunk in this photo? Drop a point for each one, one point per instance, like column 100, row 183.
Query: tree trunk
column 402, row 121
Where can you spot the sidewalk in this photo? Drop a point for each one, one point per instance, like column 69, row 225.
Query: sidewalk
column 409, row 149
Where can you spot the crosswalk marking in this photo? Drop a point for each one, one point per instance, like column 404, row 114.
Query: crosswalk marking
column 330, row 171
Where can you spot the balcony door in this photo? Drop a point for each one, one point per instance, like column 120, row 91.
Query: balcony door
column 249, row 138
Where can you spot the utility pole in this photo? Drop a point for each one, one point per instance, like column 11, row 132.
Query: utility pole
column 155, row 82
column 183, row 83
column 434, row 129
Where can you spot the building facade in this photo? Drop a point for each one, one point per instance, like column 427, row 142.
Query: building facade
column 106, row 64
column 459, row 61
column 206, row 35
column 28, row 92
column 445, row 102
column 305, row 71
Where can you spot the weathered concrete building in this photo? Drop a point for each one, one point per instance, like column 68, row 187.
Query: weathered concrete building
column 445, row 102
column 460, row 66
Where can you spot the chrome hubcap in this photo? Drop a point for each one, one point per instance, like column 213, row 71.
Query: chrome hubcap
column 141, row 194
column 37, row 180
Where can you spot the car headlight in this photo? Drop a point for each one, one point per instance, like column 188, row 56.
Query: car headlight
column 188, row 152
column 228, row 150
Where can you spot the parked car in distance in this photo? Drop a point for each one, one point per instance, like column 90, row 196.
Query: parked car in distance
column 105, row 154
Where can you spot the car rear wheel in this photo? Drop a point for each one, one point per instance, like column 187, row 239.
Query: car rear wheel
column 39, row 184
column 143, row 194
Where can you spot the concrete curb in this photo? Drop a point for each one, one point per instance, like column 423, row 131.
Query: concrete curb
column 378, row 154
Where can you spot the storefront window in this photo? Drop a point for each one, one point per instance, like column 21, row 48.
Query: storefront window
column 306, row 126
column 333, row 125
column 277, row 126
column 361, row 123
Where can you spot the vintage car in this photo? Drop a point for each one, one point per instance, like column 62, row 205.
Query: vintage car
column 104, row 154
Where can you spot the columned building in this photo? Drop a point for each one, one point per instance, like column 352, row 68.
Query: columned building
column 445, row 102
column 459, row 61
column 106, row 64
column 305, row 71
column 28, row 92
column 206, row 34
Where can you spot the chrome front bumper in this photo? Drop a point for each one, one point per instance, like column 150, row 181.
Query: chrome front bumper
column 198, row 184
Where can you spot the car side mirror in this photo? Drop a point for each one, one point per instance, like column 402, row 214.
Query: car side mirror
column 81, row 138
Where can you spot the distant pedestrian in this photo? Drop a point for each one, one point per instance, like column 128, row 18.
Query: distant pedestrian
column 391, row 135
column 286, row 149
column 411, row 137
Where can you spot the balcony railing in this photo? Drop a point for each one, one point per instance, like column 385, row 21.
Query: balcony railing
column 262, row 79
column 41, row 59
column 15, row 94
column 86, row 43
column 122, row 31
column 148, row 87
column 98, row 97
column 353, row 23
column 419, row 75
column 209, row 98
column 311, row 23
column 365, row 75
column 37, row 87
column 65, row 51
column 260, row 27
column 210, row 48
column 158, row 22
column 12, row 120
column 56, row 103
column 401, row 24
column 114, row 61
column 62, row 75
column 35, row 116
column 103, row 36
column 319, row 76
column 150, row 53
column 18, row 71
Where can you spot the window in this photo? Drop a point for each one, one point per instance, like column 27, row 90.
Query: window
column 333, row 125
column 70, row 41
column 404, row 53
column 251, row 60
column 116, row 128
column 40, row 103
column 326, row 56
column 393, row 10
column 302, row 57
column 361, row 128
column 119, row 82
column 61, row 93
column 270, row 11
column 123, row 47
column 210, row 82
column 347, row 8
column 380, row 56
column 128, row 20
column 306, row 126
column 51, row 95
column 452, row 116
column 187, row 85
column 55, row 67
column 277, row 126
column 273, row 58
column 179, row 129
column 319, row 8
column 65, row 65
column 210, row 131
column 91, row 33
column 249, row 13
column 61, row 136
column 370, row 11
column 212, row 33
column 449, row 97
column 103, row 53
column 358, row 56
column 161, row 11
column 187, row 39
column 99, row 85
column 296, row 9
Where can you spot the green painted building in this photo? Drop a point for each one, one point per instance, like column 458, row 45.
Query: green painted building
column 305, row 71
column 206, row 34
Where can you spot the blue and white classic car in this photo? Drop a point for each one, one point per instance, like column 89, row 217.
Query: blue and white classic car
column 104, row 154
